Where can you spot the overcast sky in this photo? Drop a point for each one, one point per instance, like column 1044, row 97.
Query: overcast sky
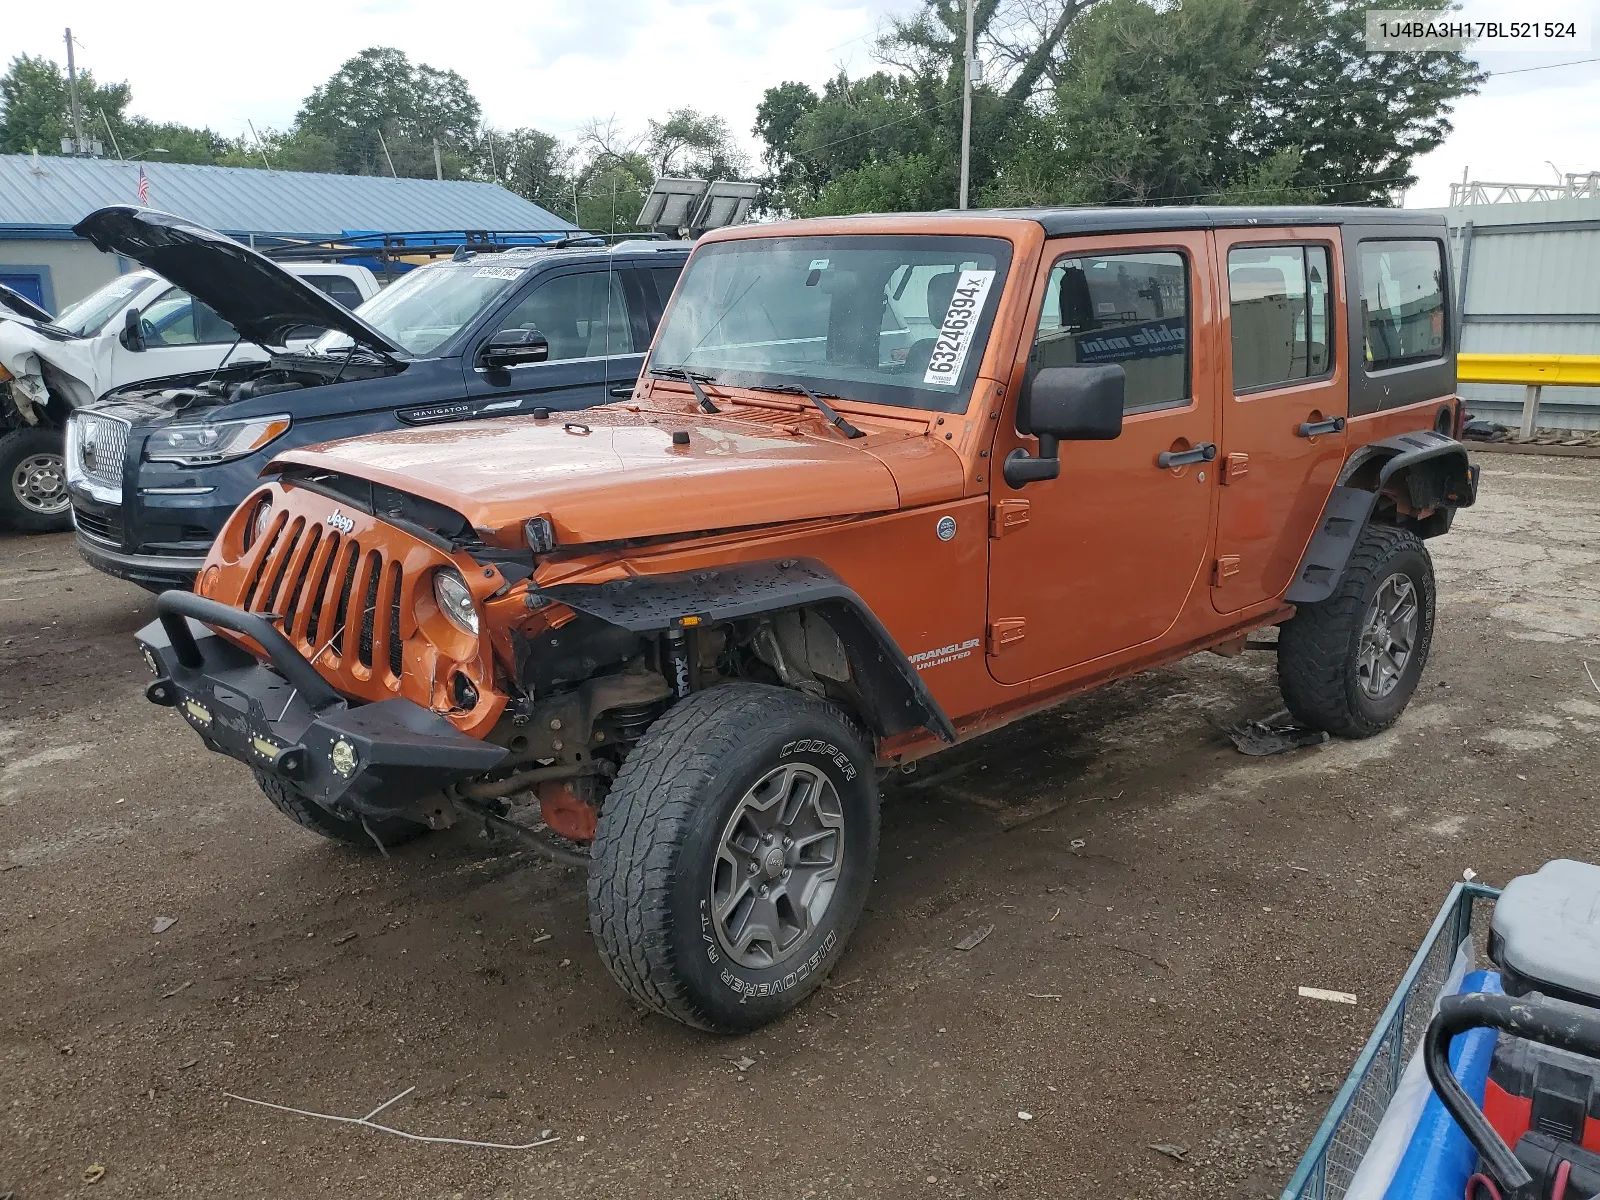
column 553, row 64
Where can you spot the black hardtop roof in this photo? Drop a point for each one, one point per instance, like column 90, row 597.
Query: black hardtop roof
column 1059, row 222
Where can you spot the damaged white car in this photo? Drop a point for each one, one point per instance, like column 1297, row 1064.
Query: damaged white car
column 136, row 327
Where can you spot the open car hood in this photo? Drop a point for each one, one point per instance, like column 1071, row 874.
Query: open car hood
column 610, row 474
column 252, row 293
column 15, row 304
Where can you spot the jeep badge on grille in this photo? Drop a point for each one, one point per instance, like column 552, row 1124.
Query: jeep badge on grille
column 341, row 522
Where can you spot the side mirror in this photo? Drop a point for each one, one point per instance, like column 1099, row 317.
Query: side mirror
column 513, row 347
column 1074, row 404
column 132, row 335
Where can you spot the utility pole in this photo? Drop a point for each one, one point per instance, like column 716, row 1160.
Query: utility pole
column 438, row 163
column 395, row 174
column 259, row 147
column 78, row 144
column 966, row 113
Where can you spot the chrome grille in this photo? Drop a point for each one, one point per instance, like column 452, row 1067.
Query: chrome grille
column 97, row 446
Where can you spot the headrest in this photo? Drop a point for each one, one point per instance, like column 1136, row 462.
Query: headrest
column 1077, row 306
column 941, row 290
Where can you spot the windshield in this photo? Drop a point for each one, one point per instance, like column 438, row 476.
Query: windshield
column 429, row 306
column 89, row 316
column 896, row 319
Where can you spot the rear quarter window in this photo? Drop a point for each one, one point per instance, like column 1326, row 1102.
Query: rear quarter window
column 339, row 287
column 1402, row 302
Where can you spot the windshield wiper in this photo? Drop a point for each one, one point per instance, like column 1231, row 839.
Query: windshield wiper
column 694, row 379
column 826, row 409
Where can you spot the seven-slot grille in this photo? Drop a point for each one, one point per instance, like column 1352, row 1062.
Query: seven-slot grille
column 99, row 445
column 329, row 592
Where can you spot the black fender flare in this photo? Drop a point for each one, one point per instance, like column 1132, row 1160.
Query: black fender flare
column 1436, row 474
column 894, row 694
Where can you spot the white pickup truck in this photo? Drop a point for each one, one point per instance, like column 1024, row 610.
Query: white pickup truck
column 136, row 327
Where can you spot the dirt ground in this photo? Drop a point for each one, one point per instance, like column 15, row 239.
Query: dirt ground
column 1156, row 898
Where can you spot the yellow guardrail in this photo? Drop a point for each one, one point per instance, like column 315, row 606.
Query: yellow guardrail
column 1534, row 371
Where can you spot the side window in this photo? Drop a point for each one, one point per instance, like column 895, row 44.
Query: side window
column 666, row 278
column 338, row 287
column 1402, row 302
column 175, row 318
column 581, row 316
column 1131, row 309
column 1278, row 303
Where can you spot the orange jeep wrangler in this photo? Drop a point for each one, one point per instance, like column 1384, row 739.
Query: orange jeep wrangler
column 887, row 483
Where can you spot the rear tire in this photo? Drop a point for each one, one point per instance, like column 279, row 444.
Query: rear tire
column 33, row 481
column 734, row 854
column 308, row 814
column 1349, row 664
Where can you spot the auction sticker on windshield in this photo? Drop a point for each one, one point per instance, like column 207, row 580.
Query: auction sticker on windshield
column 498, row 272
column 960, row 324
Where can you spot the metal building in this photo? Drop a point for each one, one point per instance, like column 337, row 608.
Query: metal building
column 1527, row 262
column 41, row 198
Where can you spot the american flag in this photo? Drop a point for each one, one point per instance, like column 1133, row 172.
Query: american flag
column 144, row 189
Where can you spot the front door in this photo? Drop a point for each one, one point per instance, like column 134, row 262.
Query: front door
column 182, row 336
column 1104, row 557
column 587, row 316
column 1283, row 438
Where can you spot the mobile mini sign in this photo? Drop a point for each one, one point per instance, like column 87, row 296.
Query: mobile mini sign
column 1148, row 339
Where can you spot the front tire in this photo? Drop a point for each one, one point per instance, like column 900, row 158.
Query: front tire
column 308, row 814
column 733, row 855
column 33, row 481
column 1349, row 664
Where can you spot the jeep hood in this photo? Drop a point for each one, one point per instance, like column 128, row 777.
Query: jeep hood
column 609, row 474
column 250, row 292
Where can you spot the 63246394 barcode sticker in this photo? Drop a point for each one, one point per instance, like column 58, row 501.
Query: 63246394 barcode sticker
column 960, row 325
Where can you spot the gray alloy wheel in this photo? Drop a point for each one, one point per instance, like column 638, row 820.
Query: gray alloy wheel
column 778, row 860
column 1388, row 635
column 39, row 483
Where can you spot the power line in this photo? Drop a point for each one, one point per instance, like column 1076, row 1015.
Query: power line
column 1577, row 62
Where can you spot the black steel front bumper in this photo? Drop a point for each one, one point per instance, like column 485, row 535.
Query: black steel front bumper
column 371, row 759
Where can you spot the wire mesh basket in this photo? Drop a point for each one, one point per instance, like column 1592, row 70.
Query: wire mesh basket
column 1330, row 1163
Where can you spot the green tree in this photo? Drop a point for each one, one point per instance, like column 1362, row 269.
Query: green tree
column 35, row 108
column 380, row 114
column 1116, row 101
column 696, row 144
column 532, row 164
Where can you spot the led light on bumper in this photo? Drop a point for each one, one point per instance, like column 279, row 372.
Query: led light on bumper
column 343, row 758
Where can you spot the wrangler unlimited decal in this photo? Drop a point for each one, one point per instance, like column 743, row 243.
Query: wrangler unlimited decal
column 944, row 654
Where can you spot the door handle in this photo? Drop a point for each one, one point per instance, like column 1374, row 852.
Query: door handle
column 622, row 391
column 1315, row 428
column 1204, row 452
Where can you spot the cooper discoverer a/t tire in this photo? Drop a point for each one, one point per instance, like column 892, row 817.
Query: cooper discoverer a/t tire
column 1349, row 664
column 733, row 855
column 308, row 814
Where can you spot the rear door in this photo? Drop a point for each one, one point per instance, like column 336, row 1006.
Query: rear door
column 1286, row 392
column 1105, row 557
column 586, row 314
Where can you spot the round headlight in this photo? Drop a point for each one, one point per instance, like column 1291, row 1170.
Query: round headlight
column 257, row 528
column 455, row 601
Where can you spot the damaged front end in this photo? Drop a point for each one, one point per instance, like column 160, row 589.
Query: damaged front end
column 373, row 760
column 362, row 645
